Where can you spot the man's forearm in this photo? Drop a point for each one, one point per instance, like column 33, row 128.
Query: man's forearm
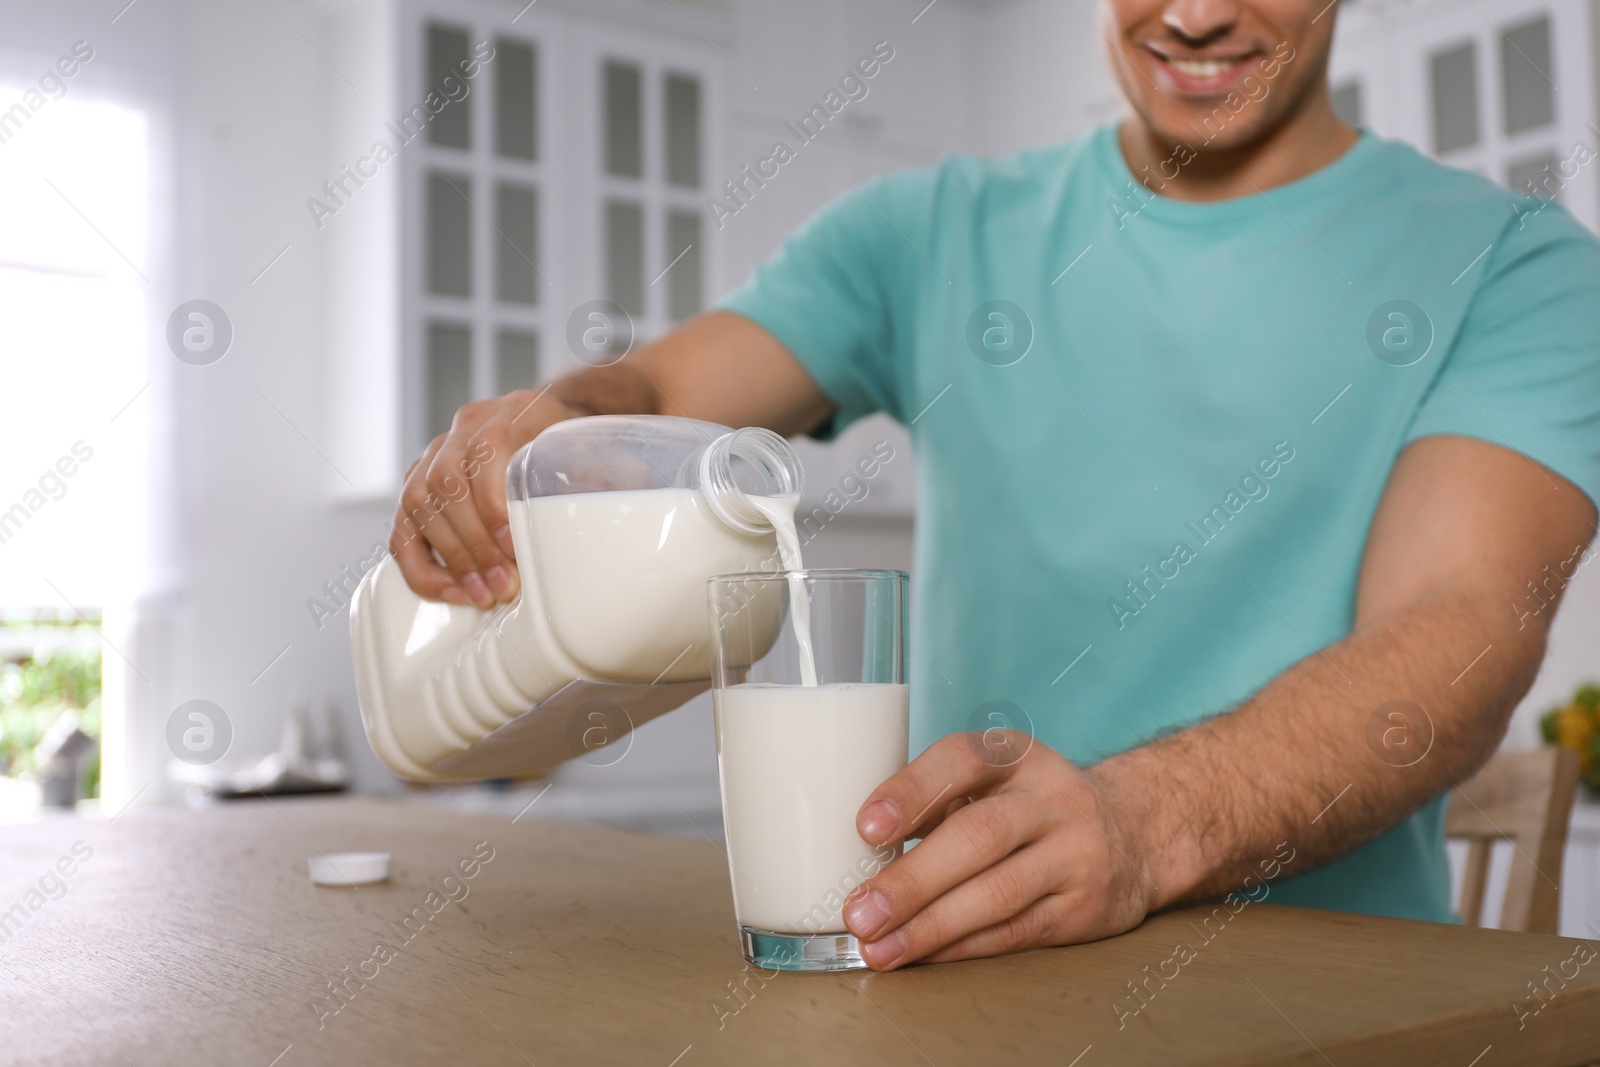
column 616, row 389
column 1042, row 852
column 718, row 366
column 1302, row 761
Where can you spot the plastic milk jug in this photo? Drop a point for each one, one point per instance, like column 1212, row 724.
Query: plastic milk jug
column 618, row 522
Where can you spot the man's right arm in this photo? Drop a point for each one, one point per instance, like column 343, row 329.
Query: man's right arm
column 720, row 367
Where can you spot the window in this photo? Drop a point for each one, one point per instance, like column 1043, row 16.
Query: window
column 516, row 360
column 652, row 209
column 1526, row 86
column 516, row 100
column 83, row 170
column 479, row 317
column 624, row 122
column 514, row 220
column 683, row 131
column 625, row 255
column 49, row 692
column 449, row 249
column 1536, row 177
column 516, row 224
column 1455, row 98
column 447, row 51
column 449, row 373
column 73, row 438
column 683, row 250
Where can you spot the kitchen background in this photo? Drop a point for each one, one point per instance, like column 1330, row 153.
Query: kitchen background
column 205, row 184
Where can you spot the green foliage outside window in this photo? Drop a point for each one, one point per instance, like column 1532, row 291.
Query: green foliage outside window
column 39, row 685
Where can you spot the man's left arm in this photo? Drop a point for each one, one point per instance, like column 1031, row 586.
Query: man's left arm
column 1024, row 849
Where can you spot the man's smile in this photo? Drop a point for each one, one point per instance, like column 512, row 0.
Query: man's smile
column 1204, row 73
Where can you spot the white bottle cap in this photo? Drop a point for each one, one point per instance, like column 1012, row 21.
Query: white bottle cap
column 349, row 868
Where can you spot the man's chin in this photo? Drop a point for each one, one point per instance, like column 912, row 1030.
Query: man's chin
column 1203, row 130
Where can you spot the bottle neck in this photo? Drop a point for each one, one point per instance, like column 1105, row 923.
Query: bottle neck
column 752, row 462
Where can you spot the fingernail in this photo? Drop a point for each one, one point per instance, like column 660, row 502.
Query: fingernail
column 867, row 913
column 885, row 952
column 502, row 537
column 476, row 591
column 877, row 823
column 501, row 581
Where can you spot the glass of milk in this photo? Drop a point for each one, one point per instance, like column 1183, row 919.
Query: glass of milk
column 809, row 690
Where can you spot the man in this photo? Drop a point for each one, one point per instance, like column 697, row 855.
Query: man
column 1254, row 455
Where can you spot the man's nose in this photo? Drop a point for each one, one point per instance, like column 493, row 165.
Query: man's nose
column 1200, row 21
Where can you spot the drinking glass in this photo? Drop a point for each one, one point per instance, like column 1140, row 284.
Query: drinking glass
column 811, row 705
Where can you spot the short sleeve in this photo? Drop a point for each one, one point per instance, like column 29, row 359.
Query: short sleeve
column 826, row 296
column 1525, row 370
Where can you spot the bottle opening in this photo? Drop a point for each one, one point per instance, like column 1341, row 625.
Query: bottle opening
column 752, row 462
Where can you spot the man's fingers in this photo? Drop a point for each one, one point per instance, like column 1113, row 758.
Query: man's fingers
column 1036, row 925
column 523, row 415
column 972, row 839
column 485, row 564
column 479, row 561
column 936, row 817
column 422, row 572
column 454, row 501
column 487, row 476
column 488, row 455
column 951, row 768
column 464, row 577
column 448, row 480
column 1001, row 896
column 408, row 541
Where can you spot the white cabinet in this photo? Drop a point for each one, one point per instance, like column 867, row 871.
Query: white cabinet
column 1505, row 88
column 502, row 176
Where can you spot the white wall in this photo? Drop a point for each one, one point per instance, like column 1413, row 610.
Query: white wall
column 263, row 531
column 1043, row 73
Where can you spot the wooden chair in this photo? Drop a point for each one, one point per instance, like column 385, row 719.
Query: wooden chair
column 1525, row 798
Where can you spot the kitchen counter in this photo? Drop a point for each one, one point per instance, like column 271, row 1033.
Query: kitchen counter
column 196, row 936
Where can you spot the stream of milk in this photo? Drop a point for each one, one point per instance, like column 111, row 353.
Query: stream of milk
column 779, row 511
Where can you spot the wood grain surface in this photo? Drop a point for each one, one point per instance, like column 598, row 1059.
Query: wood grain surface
column 197, row 937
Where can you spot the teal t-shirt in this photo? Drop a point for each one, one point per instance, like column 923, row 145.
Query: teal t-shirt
column 1151, row 434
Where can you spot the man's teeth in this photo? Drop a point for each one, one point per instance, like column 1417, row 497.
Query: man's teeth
column 1201, row 68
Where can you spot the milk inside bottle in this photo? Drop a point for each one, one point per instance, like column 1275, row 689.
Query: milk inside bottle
column 618, row 522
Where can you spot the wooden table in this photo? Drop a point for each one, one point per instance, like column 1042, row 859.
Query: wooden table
column 197, row 937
